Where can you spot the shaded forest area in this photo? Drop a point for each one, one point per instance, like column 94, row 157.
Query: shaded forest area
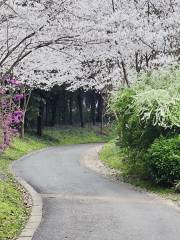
column 59, row 107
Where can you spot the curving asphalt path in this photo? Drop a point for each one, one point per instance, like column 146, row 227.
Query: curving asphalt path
column 79, row 204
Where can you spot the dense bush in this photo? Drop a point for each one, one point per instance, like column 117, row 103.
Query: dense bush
column 133, row 131
column 147, row 111
column 163, row 160
column 150, row 108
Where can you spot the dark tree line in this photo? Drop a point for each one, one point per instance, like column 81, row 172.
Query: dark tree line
column 59, row 107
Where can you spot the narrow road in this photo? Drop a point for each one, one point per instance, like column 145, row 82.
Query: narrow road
column 79, row 204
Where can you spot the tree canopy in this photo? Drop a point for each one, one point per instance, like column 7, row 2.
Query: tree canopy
column 87, row 44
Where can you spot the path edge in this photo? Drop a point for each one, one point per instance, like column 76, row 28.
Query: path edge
column 108, row 173
column 37, row 203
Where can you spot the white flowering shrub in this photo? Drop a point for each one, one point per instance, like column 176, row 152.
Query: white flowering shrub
column 148, row 114
column 157, row 99
column 150, row 108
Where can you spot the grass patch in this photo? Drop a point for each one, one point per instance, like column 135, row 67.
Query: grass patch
column 75, row 135
column 112, row 156
column 13, row 212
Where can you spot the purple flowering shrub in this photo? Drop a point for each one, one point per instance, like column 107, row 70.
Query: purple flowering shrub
column 11, row 113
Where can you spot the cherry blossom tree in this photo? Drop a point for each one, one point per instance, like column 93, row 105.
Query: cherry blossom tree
column 26, row 28
column 98, row 44
column 135, row 35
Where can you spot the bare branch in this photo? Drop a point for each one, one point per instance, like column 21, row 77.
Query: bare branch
column 2, row 3
column 15, row 47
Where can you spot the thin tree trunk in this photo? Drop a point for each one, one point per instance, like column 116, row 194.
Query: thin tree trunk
column 46, row 114
column 137, row 63
column 93, row 107
column 147, row 59
column 39, row 126
column 40, row 119
column 25, row 105
column 80, row 104
column 125, row 73
column 70, row 109
column 113, row 6
column 54, row 110
column 100, row 110
column 53, row 121
column 64, row 105
column 22, row 131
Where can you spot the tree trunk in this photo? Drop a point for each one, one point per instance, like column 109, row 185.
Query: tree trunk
column 46, row 114
column 125, row 73
column 39, row 126
column 113, row 6
column 22, row 130
column 25, row 105
column 64, row 105
column 40, row 119
column 80, row 104
column 70, row 109
column 100, row 110
column 137, row 62
column 93, row 107
column 54, row 110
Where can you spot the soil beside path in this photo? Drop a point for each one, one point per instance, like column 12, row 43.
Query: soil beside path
column 79, row 203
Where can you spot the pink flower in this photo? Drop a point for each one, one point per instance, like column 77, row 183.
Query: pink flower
column 2, row 90
column 17, row 117
column 18, row 97
column 13, row 82
column 10, row 115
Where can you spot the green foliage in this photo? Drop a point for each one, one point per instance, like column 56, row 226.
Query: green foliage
column 112, row 155
column 75, row 135
column 119, row 158
column 158, row 107
column 132, row 131
column 150, row 109
column 115, row 157
column 157, row 98
column 18, row 148
column 13, row 212
column 121, row 102
column 165, row 79
column 163, row 160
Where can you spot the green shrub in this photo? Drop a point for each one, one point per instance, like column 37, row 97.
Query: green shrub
column 150, row 108
column 134, row 166
column 133, row 132
column 127, row 121
column 144, row 112
column 163, row 160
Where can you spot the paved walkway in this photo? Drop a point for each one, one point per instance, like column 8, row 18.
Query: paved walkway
column 79, row 204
